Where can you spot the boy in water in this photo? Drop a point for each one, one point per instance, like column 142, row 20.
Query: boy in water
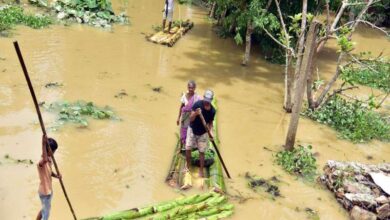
column 45, row 172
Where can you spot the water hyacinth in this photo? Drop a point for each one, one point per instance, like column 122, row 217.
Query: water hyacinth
column 96, row 13
column 78, row 112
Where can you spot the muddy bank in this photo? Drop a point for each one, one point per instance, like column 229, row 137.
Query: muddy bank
column 361, row 189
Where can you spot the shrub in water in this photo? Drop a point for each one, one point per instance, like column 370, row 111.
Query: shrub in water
column 300, row 161
column 353, row 120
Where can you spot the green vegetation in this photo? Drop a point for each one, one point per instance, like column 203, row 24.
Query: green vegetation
column 200, row 206
column 235, row 17
column 300, row 161
column 374, row 73
column 14, row 15
column 208, row 154
column 378, row 13
column 97, row 13
column 354, row 120
column 77, row 112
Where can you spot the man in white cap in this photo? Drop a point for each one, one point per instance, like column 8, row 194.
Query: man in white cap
column 168, row 14
column 197, row 136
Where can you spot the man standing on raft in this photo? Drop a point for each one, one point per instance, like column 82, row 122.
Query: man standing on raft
column 168, row 14
column 197, row 136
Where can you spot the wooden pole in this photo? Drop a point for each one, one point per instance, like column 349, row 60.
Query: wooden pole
column 301, row 83
column 215, row 145
column 16, row 45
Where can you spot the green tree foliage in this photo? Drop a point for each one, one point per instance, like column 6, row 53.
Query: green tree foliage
column 239, row 12
column 378, row 14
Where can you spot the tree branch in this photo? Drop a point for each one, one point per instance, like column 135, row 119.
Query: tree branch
column 363, row 64
column 301, row 41
column 383, row 100
column 278, row 42
column 375, row 27
column 338, row 16
column 283, row 24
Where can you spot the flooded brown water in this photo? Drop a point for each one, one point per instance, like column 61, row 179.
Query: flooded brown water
column 115, row 165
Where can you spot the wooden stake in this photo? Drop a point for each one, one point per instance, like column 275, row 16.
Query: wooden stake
column 215, row 145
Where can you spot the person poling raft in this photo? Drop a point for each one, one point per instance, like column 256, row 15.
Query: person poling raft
column 168, row 15
column 175, row 30
column 212, row 163
column 197, row 136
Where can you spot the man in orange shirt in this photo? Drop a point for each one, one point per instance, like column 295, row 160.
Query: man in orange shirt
column 45, row 172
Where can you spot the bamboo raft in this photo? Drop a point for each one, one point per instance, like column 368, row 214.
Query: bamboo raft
column 206, row 206
column 213, row 176
column 177, row 31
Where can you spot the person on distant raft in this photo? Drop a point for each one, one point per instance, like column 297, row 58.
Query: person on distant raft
column 45, row 172
column 187, row 101
column 168, row 14
column 197, row 136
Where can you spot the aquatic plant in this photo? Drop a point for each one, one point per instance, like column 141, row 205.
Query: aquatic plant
column 11, row 15
column 353, row 120
column 300, row 161
column 374, row 73
column 269, row 186
column 97, row 13
column 53, row 85
column 10, row 159
column 77, row 112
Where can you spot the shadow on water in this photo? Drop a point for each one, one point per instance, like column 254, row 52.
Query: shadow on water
column 214, row 62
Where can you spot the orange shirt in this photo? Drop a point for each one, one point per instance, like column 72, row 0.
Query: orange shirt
column 45, row 186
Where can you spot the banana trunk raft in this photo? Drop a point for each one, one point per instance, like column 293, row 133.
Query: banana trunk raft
column 170, row 38
column 214, row 174
column 206, row 206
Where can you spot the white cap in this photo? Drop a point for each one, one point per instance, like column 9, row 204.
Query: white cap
column 208, row 96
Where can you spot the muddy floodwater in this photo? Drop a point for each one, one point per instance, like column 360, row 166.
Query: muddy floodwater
column 117, row 165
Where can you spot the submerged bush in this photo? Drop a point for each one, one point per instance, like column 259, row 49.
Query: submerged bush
column 353, row 120
column 372, row 73
column 300, row 161
column 14, row 15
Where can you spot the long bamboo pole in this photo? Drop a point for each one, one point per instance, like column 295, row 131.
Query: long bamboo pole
column 16, row 45
column 215, row 145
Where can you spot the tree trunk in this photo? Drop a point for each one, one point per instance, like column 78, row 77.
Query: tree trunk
column 309, row 87
column 212, row 10
column 249, row 31
column 302, row 79
column 321, row 98
column 222, row 18
column 289, row 79
column 351, row 15
column 232, row 27
column 301, row 43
